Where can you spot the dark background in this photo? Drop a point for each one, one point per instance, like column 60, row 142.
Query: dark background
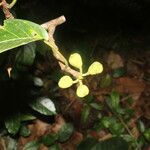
column 125, row 23
column 126, row 15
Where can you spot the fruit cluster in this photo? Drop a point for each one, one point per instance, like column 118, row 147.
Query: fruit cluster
column 76, row 61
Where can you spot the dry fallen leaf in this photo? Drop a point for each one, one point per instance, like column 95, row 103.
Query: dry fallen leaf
column 130, row 86
column 38, row 129
column 114, row 60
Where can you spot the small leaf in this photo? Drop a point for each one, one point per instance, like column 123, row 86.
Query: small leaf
column 38, row 82
column 55, row 147
column 33, row 145
column 96, row 106
column 127, row 137
column 75, row 60
column 27, row 117
column 95, row 68
column 113, row 100
column 49, row 139
column 82, row 91
column 13, row 124
column 118, row 72
column 65, row 132
column 65, row 82
column 147, row 134
column 106, row 81
column 85, row 114
column 44, row 106
column 17, row 32
column 141, row 126
column 25, row 57
column 107, row 121
column 116, row 128
column 24, row 131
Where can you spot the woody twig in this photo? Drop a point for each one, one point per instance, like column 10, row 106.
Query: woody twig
column 6, row 8
column 50, row 26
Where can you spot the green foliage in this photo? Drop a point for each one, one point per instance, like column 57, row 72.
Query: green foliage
column 13, row 124
column 113, row 143
column 113, row 100
column 65, row 132
column 96, row 106
column 106, row 81
column 26, row 117
column 85, row 113
column 49, row 139
column 147, row 134
column 44, row 106
column 24, row 131
column 25, row 57
column 33, row 145
column 118, row 72
column 55, row 147
column 141, row 126
column 17, row 32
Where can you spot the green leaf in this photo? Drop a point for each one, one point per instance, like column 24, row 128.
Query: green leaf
column 85, row 114
column 44, row 106
column 27, row 117
column 147, row 134
column 113, row 100
column 116, row 128
column 106, row 122
column 141, row 126
column 55, row 147
column 33, row 145
column 113, row 144
column 24, row 131
column 65, row 132
column 17, row 32
column 49, row 139
column 118, row 72
column 13, row 124
column 96, row 106
column 25, row 57
column 87, row 144
column 127, row 137
column 106, row 81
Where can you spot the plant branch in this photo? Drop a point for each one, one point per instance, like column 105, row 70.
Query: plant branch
column 6, row 7
column 12, row 3
column 50, row 26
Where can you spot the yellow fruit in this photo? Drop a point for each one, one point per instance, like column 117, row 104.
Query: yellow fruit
column 75, row 60
column 65, row 82
column 82, row 91
column 95, row 68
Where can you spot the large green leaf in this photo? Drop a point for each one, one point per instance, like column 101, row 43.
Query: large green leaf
column 17, row 32
column 44, row 106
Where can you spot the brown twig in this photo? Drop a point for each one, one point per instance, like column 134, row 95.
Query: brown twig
column 5, row 6
column 50, row 26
